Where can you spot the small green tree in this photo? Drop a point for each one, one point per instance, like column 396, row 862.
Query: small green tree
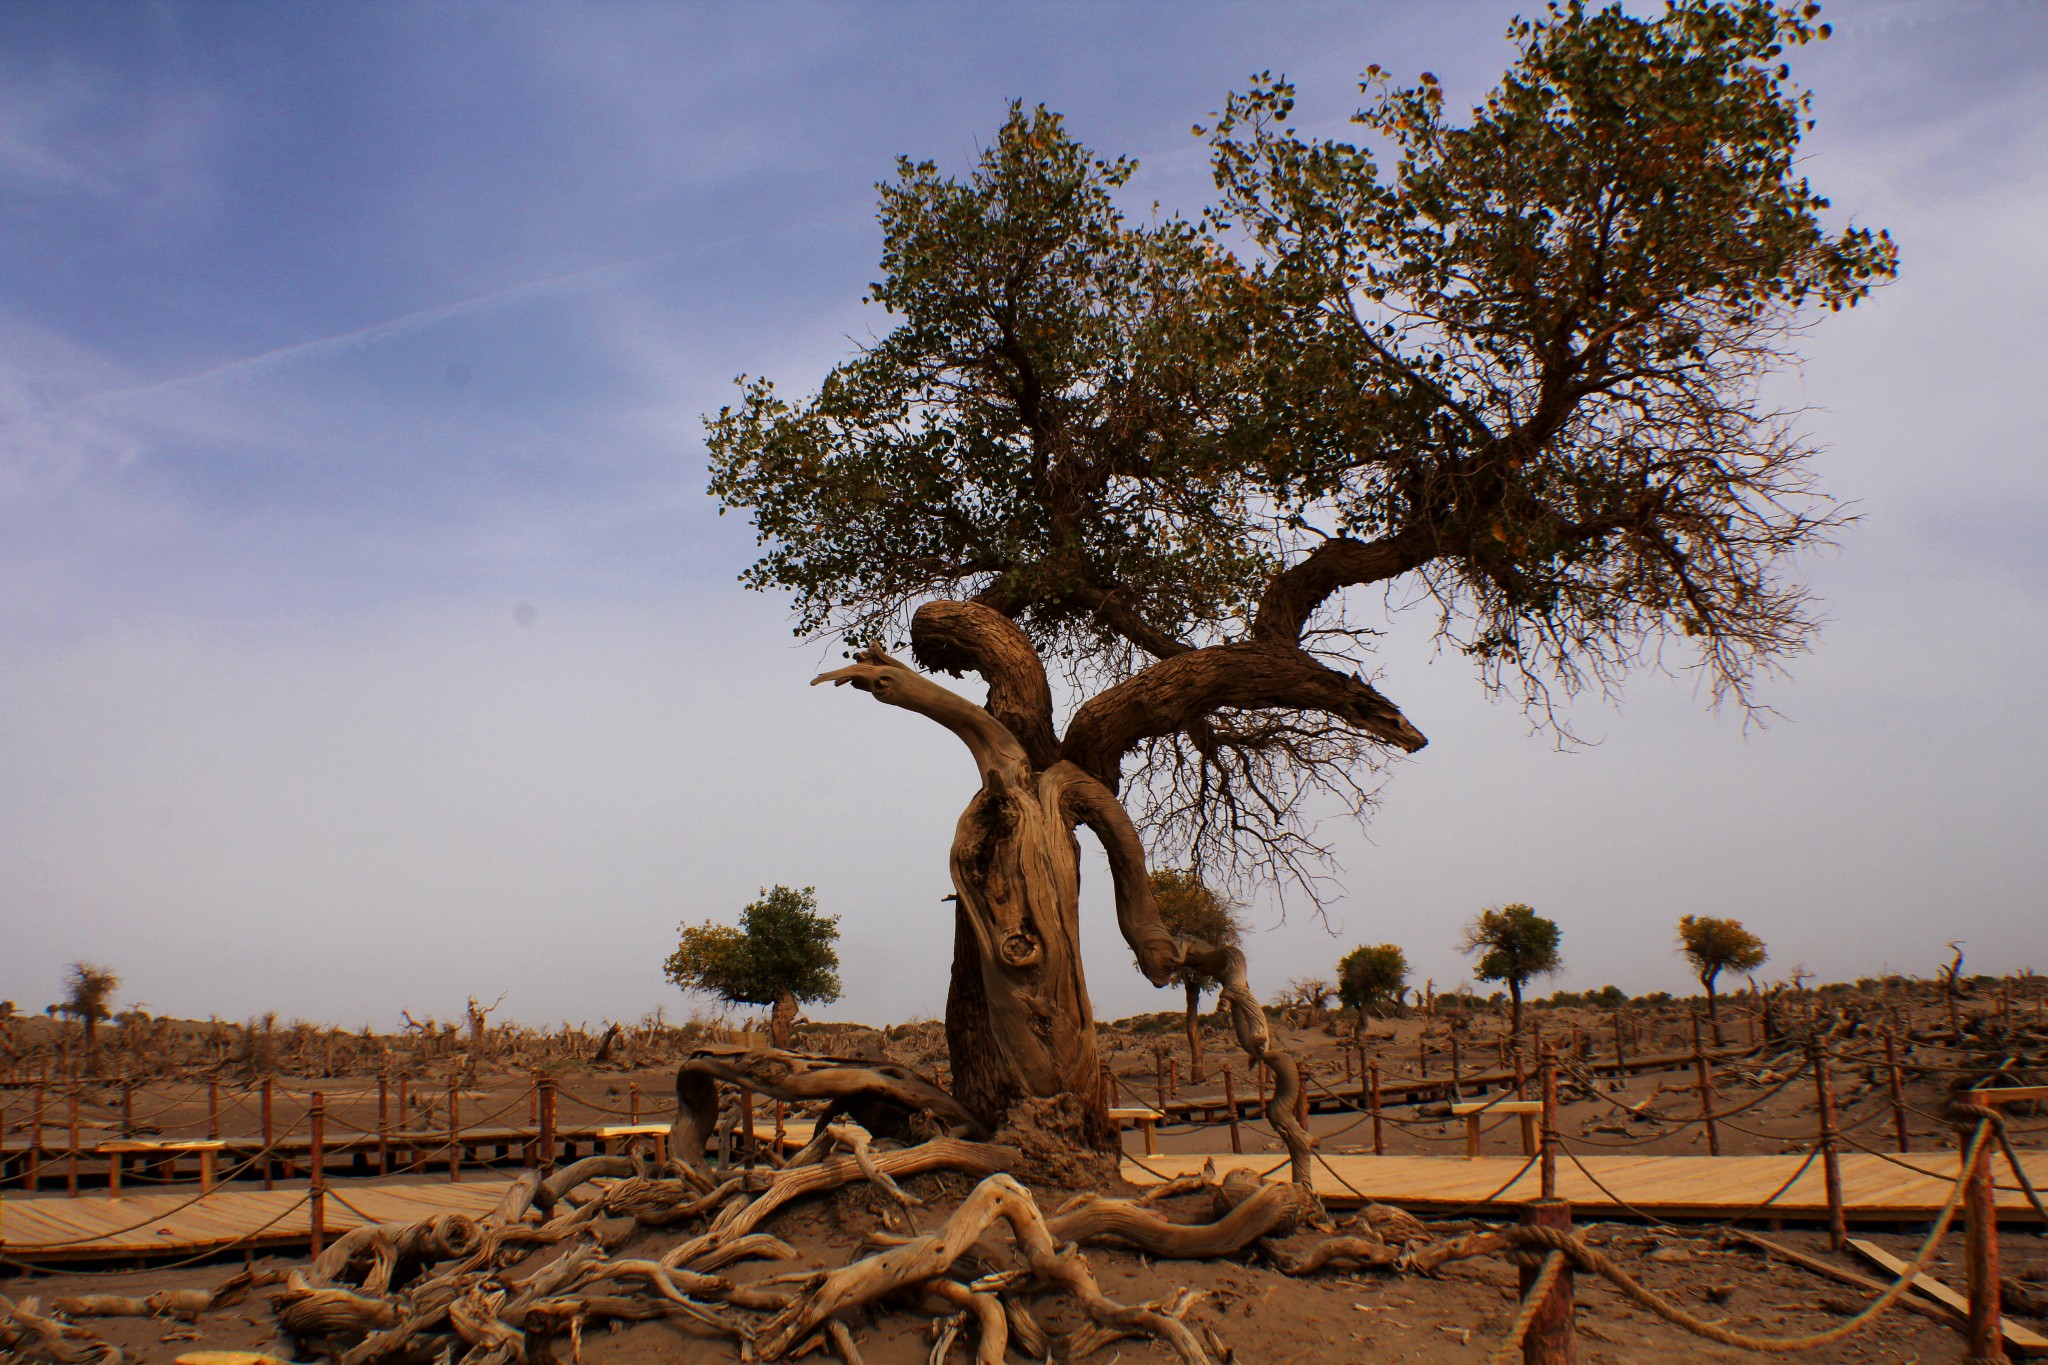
column 1371, row 978
column 1191, row 909
column 1514, row 943
column 88, row 988
column 780, row 954
column 1714, row 945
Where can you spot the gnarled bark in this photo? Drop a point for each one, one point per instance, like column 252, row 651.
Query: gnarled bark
column 1019, row 1023
column 925, row 1259
column 871, row 1092
column 1024, row 1027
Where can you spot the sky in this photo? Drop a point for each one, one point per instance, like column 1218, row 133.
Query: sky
column 368, row 640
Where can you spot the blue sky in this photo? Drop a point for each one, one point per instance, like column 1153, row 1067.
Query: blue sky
column 367, row 639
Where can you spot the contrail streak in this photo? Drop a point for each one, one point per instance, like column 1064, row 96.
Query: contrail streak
column 363, row 336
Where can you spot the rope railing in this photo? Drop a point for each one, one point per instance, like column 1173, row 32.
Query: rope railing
column 287, row 1140
column 2024, row 1187
column 219, row 1249
column 158, row 1215
column 1552, row 1247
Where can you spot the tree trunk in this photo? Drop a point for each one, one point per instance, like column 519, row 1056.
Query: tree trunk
column 1515, row 1016
column 1194, row 1032
column 1017, row 872
column 781, row 1018
column 1713, row 1010
column 1019, row 1026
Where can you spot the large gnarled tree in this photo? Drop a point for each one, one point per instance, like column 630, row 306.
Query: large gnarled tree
column 1512, row 376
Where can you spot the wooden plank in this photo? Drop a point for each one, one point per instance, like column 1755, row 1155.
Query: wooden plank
column 52, row 1229
column 2008, row 1094
column 1939, row 1312
column 2021, row 1337
column 1668, row 1186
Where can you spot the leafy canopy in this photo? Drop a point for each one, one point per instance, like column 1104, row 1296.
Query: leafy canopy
column 1716, row 945
column 1023, row 434
column 1541, row 333
column 1509, row 361
column 1189, row 908
column 1371, row 976
column 1513, row 944
column 783, row 946
column 88, row 991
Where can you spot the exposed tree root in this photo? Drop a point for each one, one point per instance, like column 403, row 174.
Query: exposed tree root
column 392, row 1248
column 309, row 1314
column 880, row 1096
column 26, row 1333
column 183, row 1304
column 950, row 1154
column 1370, row 1253
column 1273, row 1211
column 480, row 1291
column 930, row 1258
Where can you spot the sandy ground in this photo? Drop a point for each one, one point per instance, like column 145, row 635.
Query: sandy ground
column 1261, row 1314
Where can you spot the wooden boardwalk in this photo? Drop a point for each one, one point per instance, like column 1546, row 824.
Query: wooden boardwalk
column 1330, row 1095
column 1698, row 1187
column 343, row 1153
column 47, row 1228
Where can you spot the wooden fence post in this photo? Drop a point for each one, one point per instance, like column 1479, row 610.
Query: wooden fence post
column 1379, row 1141
column 633, row 1102
column 454, row 1130
column 747, row 1127
column 316, row 1117
column 71, row 1166
column 1898, row 1090
column 1457, row 1070
column 1831, row 1159
column 1980, row 1211
column 1704, row 1070
column 1550, row 1340
column 383, row 1122
column 35, row 1141
column 1620, row 1054
column 405, row 1121
column 1230, row 1103
column 547, row 1123
column 1548, row 1063
column 213, row 1109
column 269, row 1171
